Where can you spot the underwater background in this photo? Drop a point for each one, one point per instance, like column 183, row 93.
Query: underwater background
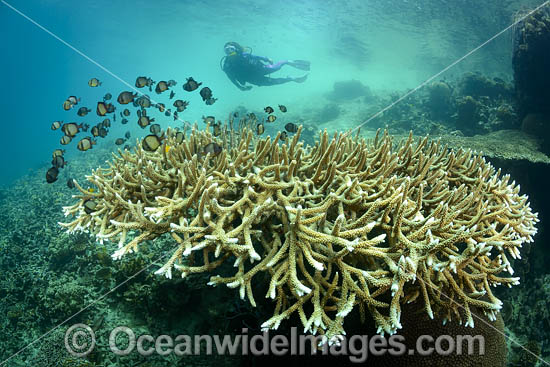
column 388, row 46
column 365, row 55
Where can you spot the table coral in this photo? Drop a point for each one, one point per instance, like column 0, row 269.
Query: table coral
column 346, row 223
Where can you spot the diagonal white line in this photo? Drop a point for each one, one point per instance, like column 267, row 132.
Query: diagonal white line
column 483, row 321
column 349, row 132
column 84, row 309
column 132, row 276
column 416, row 89
column 84, row 55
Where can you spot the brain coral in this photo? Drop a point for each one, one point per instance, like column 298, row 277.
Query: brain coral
column 346, row 223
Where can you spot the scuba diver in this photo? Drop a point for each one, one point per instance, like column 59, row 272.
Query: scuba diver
column 242, row 67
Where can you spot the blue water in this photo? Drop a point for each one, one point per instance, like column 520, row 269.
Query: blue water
column 388, row 45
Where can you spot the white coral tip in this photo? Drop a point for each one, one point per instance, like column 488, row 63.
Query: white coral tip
column 319, row 266
column 117, row 255
column 234, row 284
column 302, row 289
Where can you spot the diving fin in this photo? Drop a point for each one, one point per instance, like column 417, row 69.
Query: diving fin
column 300, row 64
column 300, row 79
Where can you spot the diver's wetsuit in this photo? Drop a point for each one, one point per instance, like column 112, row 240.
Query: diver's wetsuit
column 251, row 68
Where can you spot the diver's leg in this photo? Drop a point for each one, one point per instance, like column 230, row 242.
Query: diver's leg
column 300, row 64
column 266, row 81
column 271, row 68
column 300, row 79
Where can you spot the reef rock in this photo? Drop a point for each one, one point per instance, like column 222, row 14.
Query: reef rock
column 348, row 90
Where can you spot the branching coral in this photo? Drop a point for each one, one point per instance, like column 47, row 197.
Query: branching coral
column 346, row 223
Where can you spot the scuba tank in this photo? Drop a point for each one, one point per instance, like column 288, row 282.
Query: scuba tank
column 222, row 60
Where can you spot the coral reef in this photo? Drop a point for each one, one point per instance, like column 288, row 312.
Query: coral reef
column 410, row 113
column 468, row 114
column 51, row 353
column 48, row 276
column 478, row 85
column 529, row 326
column 484, row 105
column 416, row 324
column 347, row 223
column 535, row 124
column 508, row 145
column 472, row 105
column 347, row 90
column 439, row 99
column 531, row 61
column 329, row 112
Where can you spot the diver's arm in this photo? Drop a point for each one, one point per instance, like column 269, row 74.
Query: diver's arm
column 241, row 87
column 267, row 59
column 261, row 58
column 230, row 74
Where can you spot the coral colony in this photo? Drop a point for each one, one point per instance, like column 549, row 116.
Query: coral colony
column 346, row 223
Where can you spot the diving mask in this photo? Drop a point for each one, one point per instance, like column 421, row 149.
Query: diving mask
column 230, row 50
